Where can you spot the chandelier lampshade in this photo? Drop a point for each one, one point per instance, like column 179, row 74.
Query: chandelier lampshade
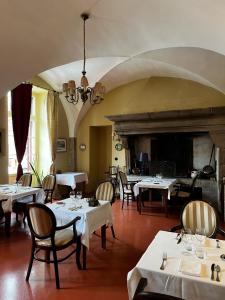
column 83, row 92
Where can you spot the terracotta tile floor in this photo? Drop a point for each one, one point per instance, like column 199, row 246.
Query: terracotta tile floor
column 105, row 277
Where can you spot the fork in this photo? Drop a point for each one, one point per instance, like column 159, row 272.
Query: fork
column 164, row 259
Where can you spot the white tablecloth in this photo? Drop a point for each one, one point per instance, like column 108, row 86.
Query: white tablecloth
column 171, row 281
column 71, row 178
column 155, row 183
column 11, row 192
column 92, row 218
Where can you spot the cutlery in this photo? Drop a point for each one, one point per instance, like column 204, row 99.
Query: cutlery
column 217, row 244
column 164, row 259
column 217, row 269
column 212, row 270
column 180, row 238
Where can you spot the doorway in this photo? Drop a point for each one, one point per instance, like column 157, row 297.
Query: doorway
column 100, row 153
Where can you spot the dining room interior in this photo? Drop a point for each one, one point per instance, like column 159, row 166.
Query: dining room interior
column 112, row 149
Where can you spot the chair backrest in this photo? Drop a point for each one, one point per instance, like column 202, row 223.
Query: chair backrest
column 26, row 179
column 48, row 183
column 41, row 220
column 200, row 214
column 123, row 178
column 105, row 191
column 140, row 294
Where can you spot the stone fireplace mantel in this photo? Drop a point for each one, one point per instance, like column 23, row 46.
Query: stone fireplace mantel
column 210, row 120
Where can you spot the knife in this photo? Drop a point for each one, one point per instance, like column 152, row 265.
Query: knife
column 180, row 238
column 212, row 270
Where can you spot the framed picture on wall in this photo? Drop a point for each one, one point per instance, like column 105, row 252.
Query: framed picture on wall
column 61, row 145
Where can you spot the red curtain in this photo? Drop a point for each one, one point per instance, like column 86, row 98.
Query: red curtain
column 21, row 106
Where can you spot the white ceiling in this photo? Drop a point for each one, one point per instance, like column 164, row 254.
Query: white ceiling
column 126, row 40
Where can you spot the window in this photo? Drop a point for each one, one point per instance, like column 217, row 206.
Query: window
column 30, row 146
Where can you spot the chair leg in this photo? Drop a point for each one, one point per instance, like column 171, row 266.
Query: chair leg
column 31, row 262
column 56, row 269
column 7, row 223
column 123, row 202
column 103, row 236
column 78, row 250
column 17, row 217
column 113, row 232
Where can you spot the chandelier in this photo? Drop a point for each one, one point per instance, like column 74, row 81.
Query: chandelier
column 83, row 92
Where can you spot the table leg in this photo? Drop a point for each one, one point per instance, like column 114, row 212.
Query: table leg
column 103, row 236
column 7, row 223
column 34, row 198
column 164, row 200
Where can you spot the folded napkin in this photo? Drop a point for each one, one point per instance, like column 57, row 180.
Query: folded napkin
column 192, row 268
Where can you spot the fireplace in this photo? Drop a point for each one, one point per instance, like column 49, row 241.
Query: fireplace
column 171, row 154
column 207, row 122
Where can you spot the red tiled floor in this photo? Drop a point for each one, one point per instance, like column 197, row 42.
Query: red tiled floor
column 105, row 277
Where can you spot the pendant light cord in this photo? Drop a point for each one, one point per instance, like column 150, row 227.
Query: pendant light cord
column 84, row 71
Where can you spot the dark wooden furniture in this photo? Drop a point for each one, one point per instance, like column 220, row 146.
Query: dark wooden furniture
column 19, row 206
column 47, row 236
column 5, row 218
column 127, row 188
column 48, row 185
column 140, row 294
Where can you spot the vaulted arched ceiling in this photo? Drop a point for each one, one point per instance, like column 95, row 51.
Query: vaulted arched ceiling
column 126, row 40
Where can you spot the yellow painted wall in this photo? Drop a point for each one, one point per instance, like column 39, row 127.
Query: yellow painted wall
column 147, row 95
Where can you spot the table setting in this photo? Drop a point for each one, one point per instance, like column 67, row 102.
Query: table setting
column 189, row 266
column 91, row 217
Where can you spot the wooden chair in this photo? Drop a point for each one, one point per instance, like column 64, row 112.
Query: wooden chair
column 127, row 188
column 112, row 175
column 47, row 236
column 140, row 294
column 199, row 214
column 19, row 206
column 184, row 192
column 48, row 185
column 105, row 192
column 25, row 179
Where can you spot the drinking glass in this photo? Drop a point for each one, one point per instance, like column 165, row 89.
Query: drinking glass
column 72, row 195
column 188, row 241
column 200, row 234
column 79, row 194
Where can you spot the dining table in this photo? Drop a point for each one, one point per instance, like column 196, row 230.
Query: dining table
column 163, row 185
column 71, row 178
column 91, row 218
column 13, row 192
column 184, row 275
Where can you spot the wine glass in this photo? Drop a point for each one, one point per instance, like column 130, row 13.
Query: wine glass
column 72, row 195
column 200, row 234
column 79, row 195
column 188, row 240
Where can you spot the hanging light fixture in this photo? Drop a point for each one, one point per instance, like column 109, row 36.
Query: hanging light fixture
column 83, row 92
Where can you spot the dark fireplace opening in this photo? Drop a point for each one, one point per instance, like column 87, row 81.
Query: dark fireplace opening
column 170, row 154
column 174, row 152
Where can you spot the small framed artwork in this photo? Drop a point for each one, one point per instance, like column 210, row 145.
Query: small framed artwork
column 61, row 145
